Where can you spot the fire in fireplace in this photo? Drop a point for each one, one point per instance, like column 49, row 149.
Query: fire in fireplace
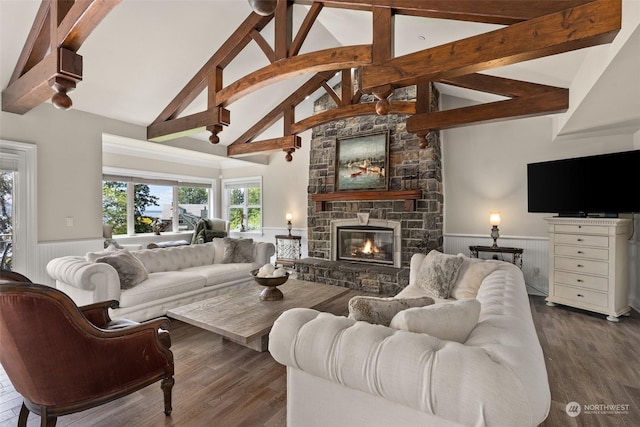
column 366, row 244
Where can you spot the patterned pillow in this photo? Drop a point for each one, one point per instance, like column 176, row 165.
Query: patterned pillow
column 452, row 321
column 237, row 250
column 438, row 273
column 130, row 270
column 380, row 311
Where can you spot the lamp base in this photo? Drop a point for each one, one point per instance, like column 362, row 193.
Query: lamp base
column 495, row 233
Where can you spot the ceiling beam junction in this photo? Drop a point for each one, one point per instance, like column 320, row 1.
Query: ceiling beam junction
column 49, row 66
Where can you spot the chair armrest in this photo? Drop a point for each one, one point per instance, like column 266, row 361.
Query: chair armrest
column 99, row 279
column 98, row 313
column 460, row 383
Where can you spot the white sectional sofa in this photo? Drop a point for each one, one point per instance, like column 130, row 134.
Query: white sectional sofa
column 175, row 276
column 342, row 372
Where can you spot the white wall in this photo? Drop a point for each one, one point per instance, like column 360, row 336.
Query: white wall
column 485, row 169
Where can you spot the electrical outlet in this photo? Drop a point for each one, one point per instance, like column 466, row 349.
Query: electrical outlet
column 69, row 221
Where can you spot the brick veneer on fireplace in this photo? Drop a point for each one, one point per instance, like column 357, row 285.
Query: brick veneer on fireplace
column 410, row 167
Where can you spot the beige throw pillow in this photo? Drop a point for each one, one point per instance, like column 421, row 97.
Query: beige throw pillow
column 452, row 321
column 470, row 277
column 380, row 311
column 237, row 250
column 438, row 273
column 130, row 270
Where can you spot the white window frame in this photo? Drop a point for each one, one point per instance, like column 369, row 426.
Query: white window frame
column 132, row 177
column 25, row 226
column 230, row 183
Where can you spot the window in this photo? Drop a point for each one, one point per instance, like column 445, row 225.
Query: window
column 6, row 217
column 135, row 205
column 243, row 203
column 18, row 161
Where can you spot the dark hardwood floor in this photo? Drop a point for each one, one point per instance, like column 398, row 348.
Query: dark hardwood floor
column 589, row 360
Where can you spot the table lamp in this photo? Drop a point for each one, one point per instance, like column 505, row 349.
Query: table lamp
column 289, row 217
column 494, row 220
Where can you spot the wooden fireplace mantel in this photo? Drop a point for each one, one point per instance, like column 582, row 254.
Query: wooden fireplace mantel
column 409, row 197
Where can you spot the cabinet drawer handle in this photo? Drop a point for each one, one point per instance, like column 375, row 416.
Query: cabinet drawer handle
column 580, row 265
column 580, row 280
column 580, row 252
column 579, row 240
column 581, row 296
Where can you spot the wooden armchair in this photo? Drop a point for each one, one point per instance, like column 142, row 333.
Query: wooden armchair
column 64, row 359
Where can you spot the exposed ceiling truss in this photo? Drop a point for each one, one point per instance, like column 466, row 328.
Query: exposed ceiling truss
column 49, row 66
column 533, row 29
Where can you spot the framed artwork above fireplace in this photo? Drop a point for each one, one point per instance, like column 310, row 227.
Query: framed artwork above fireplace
column 362, row 162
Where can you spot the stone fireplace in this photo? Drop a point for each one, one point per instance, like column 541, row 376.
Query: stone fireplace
column 410, row 227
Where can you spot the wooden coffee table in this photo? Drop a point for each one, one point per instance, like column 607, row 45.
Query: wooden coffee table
column 241, row 317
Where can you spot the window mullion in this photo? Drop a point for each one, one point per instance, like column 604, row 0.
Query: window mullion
column 131, row 226
column 175, row 210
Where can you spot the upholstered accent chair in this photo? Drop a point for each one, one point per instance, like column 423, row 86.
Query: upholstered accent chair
column 63, row 358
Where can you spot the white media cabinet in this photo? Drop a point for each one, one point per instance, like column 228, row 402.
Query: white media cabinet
column 588, row 264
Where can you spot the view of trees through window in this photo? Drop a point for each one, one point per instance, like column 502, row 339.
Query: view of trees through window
column 6, row 214
column 245, row 213
column 153, row 206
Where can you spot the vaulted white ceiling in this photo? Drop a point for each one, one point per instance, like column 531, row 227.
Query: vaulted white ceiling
column 145, row 51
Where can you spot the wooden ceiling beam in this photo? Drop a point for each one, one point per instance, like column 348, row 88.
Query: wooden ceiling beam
column 548, row 102
column 274, row 115
column 504, row 12
column 498, row 85
column 285, row 143
column 283, row 29
column 323, row 60
column 590, row 24
column 187, row 125
column 81, row 19
column 304, row 29
column 49, row 64
column 369, row 108
column 37, row 44
column 262, row 43
column 221, row 58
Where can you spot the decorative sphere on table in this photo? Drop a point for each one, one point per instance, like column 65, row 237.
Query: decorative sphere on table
column 271, row 292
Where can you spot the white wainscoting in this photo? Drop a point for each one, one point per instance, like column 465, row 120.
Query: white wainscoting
column 50, row 250
column 535, row 258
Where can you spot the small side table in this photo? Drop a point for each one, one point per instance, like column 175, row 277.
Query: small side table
column 288, row 249
column 516, row 253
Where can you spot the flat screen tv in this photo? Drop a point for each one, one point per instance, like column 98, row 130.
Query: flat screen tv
column 603, row 185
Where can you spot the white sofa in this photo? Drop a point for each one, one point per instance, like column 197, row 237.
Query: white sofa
column 346, row 373
column 176, row 276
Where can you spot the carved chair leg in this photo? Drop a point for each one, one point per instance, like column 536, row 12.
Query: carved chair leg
column 167, row 385
column 24, row 414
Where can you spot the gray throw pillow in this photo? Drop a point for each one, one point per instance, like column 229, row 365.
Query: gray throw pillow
column 438, row 273
column 130, row 270
column 237, row 250
column 380, row 311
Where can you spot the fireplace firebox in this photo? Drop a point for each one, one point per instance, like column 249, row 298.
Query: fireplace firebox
column 370, row 244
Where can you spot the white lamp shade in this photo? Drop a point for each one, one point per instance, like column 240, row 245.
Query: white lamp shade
column 494, row 218
column 289, row 216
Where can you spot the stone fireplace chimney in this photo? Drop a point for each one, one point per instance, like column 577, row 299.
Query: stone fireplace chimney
column 410, row 168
